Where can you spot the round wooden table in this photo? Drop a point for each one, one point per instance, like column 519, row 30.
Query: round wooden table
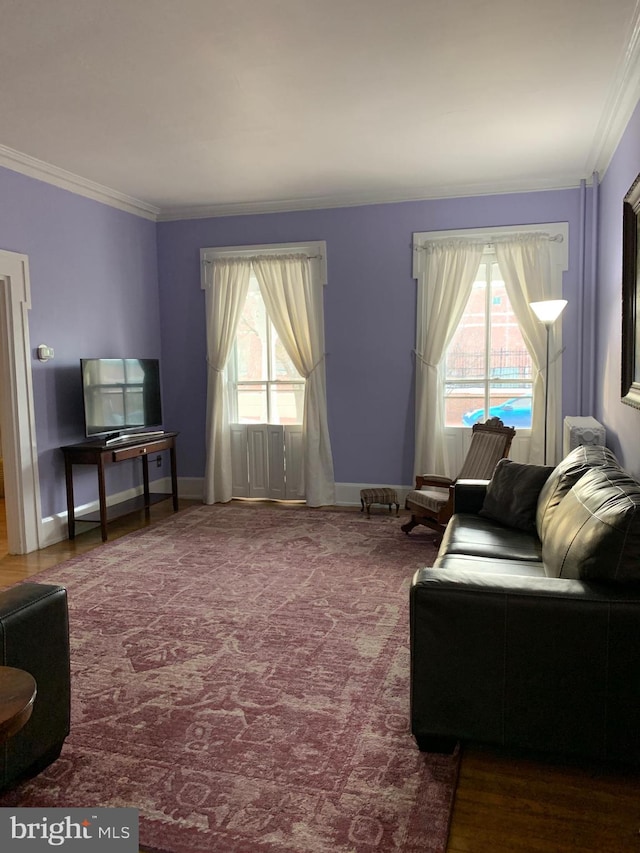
column 17, row 694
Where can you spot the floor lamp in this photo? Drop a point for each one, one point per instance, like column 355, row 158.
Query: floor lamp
column 547, row 312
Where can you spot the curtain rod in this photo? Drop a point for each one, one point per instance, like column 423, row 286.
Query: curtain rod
column 262, row 254
column 554, row 238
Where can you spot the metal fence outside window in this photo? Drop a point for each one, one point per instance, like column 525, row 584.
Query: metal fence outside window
column 504, row 364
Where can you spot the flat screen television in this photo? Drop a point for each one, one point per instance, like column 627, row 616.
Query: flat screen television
column 121, row 395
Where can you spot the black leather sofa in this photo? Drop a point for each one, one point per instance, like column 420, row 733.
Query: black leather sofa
column 526, row 631
column 34, row 636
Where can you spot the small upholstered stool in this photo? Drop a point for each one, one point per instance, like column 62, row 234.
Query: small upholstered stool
column 378, row 496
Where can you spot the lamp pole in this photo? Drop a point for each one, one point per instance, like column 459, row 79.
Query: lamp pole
column 547, row 312
column 546, row 393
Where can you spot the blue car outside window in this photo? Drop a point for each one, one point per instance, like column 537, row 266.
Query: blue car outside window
column 515, row 412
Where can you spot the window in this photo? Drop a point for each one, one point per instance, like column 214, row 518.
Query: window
column 488, row 369
column 264, row 385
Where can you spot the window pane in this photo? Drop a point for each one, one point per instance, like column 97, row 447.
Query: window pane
column 476, row 390
column 252, row 404
column 251, row 337
column 260, row 370
column 287, row 402
column 509, row 358
column 282, row 365
column 466, row 353
column 463, row 405
column 512, row 404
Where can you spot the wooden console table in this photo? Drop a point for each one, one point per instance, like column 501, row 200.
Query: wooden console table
column 94, row 452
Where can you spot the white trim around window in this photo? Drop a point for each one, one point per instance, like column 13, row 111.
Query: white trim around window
column 558, row 230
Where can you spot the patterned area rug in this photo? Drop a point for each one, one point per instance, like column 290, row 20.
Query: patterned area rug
column 241, row 675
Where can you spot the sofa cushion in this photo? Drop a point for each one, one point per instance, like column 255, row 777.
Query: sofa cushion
column 512, row 494
column 468, row 534
column 564, row 476
column 594, row 534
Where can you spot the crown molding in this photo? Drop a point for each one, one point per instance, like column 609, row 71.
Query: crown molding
column 620, row 104
column 433, row 193
column 34, row 168
column 40, row 170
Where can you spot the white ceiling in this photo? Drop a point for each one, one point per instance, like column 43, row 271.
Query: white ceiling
column 224, row 106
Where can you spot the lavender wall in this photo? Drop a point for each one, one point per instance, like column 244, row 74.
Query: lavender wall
column 105, row 282
column 94, row 292
column 370, row 304
column 622, row 421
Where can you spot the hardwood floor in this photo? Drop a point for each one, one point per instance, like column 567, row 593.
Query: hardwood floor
column 510, row 804
column 14, row 568
column 504, row 803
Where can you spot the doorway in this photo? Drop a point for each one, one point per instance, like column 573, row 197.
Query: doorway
column 17, row 418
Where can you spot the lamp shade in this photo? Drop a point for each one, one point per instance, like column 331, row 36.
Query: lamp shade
column 549, row 310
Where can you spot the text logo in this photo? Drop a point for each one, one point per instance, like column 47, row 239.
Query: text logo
column 99, row 829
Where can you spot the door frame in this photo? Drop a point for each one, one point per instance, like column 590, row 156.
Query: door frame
column 17, row 414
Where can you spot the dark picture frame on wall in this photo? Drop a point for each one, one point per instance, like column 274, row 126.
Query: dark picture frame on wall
column 631, row 296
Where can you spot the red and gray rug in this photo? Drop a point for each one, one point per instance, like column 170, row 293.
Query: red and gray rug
column 241, row 676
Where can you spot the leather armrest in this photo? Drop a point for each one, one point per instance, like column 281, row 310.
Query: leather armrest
column 468, row 495
column 457, row 581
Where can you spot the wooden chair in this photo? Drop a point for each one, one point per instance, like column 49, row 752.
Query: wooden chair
column 431, row 502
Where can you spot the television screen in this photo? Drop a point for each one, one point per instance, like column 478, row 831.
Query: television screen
column 120, row 394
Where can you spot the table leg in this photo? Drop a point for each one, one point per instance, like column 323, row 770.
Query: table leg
column 174, row 476
column 102, row 497
column 71, row 514
column 145, row 481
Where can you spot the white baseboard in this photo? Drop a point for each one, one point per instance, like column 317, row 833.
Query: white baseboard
column 54, row 528
column 347, row 494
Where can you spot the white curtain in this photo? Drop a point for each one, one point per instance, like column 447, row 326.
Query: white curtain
column 226, row 291
column 449, row 270
column 295, row 307
column 525, row 264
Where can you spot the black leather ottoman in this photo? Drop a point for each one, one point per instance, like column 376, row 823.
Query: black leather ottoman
column 34, row 636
